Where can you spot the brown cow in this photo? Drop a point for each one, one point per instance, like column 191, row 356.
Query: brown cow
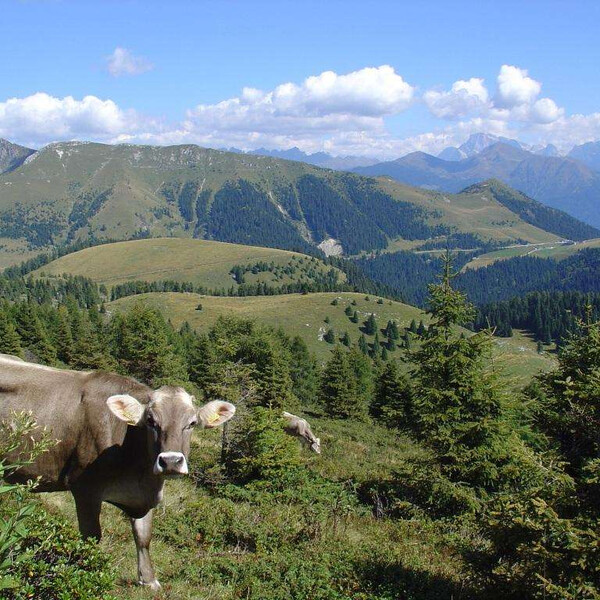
column 117, row 441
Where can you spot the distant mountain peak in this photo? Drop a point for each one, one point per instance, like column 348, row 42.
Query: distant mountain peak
column 12, row 155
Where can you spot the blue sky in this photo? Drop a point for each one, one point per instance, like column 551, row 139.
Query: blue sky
column 157, row 72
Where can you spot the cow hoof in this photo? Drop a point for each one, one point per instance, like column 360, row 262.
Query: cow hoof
column 153, row 585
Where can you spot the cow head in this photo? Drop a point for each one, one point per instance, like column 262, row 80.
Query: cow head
column 168, row 419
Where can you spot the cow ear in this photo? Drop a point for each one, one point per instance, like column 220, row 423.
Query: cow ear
column 126, row 408
column 215, row 413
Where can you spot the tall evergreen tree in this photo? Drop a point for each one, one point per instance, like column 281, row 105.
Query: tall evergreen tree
column 337, row 392
column 144, row 349
column 10, row 342
column 391, row 400
column 457, row 402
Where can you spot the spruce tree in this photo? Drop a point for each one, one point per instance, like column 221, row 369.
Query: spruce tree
column 64, row 336
column 304, row 371
column 457, row 402
column 345, row 339
column 391, row 400
column 371, row 325
column 348, row 311
column 337, row 392
column 10, row 342
column 144, row 348
column 363, row 345
column 354, row 317
column 329, row 336
column 376, row 347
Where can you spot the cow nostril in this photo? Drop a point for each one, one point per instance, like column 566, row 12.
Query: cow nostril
column 179, row 459
column 162, row 462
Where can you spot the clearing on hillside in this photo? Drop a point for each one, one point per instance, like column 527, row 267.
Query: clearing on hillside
column 200, row 262
column 305, row 314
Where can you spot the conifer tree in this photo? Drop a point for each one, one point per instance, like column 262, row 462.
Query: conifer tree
column 337, row 391
column 348, row 311
column 10, row 342
column 144, row 349
column 376, row 347
column 371, row 325
column 64, row 336
column 391, row 400
column 413, row 326
column 329, row 336
column 363, row 345
column 304, row 371
column 345, row 339
column 457, row 402
column 354, row 318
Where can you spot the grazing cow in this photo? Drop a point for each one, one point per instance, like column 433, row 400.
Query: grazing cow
column 300, row 428
column 117, row 441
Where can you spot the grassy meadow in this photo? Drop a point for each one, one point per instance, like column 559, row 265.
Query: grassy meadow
column 546, row 250
column 200, row 262
column 305, row 315
column 209, row 547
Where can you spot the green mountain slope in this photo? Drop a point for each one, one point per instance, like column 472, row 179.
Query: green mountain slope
column 305, row 315
column 200, row 262
column 75, row 191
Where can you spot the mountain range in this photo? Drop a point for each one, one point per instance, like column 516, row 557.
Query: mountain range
column 76, row 191
column 561, row 182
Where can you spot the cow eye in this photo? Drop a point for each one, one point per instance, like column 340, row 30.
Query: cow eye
column 192, row 425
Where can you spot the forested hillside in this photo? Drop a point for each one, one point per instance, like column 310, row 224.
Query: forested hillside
column 85, row 192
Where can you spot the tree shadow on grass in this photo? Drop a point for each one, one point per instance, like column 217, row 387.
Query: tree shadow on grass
column 394, row 581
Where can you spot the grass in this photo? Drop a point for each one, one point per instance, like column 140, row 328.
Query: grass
column 546, row 250
column 207, row 547
column 304, row 315
column 200, row 262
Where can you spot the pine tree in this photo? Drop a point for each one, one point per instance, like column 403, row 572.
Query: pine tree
column 329, row 336
column 413, row 326
column 304, row 371
column 88, row 351
column 337, row 391
column 10, row 341
column 345, row 339
column 371, row 325
column 144, row 349
column 362, row 369
column 421, row 330
column 354, row 318
column 363, row 345
column 391, row 401
column 33, row 333
column 384, row 353
column 457, row 402
column 348, row 311
column 64, row 336
column 376, row 348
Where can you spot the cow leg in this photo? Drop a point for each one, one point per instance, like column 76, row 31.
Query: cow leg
column 88, row 515
column 142, row 533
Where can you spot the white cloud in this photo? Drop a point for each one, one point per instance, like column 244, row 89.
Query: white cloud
column 40, row 118
column 466, row 97
column 515, row 87
column 340, row 114
column 324, row 103
column 122, row 62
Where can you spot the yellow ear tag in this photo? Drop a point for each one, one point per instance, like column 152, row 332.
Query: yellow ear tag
column 214, row 418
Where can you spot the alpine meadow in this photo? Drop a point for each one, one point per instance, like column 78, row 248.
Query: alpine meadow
column 299, row 303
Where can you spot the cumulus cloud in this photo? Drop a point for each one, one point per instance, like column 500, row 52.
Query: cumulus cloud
column 466, row 97
column 343, row 114
column 41, row 118
column 123, row 63
column 515, row 87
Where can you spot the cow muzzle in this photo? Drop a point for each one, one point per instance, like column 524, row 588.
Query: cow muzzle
column 170, row 464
